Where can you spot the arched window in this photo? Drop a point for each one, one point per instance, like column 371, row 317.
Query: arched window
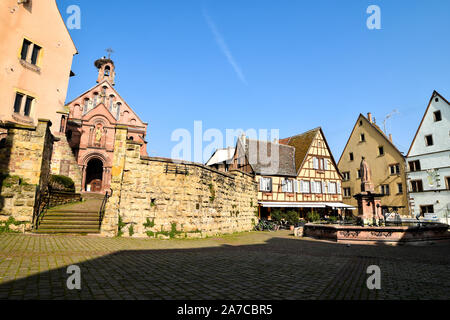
column 95, row 99
column 86, row 105
column 111, row 102
column 63, row 124
column 3, row 143
column 119, row 105
column 107, row 71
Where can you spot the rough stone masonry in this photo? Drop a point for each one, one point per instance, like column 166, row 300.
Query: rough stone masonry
column 155, row 197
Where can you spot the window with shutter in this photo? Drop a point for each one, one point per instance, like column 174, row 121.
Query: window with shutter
column 319, row 187
column 265, row 184
column 339, row 191
column 306, row 186
column 332, row 187
column 316, row 163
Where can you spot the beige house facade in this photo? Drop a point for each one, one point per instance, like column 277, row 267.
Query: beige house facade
column 35, row 62
column 387, row 164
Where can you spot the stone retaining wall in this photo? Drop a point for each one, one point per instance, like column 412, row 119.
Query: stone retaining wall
column 64, row 162
column 25, row 167
column 28, row 152
column 59, row 198
column 153, row 203
column 17, row 201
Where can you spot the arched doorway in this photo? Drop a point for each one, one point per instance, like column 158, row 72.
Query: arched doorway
column 94, row 176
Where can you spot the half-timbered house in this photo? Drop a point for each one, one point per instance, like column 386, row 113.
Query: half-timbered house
column 297, row 173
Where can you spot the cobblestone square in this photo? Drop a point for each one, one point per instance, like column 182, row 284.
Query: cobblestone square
column 242, row 266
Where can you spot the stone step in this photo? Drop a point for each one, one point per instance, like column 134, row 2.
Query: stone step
column 68, row 211
column 71, row 218
column 93, row 196
column 49, row 223
column 68, row 231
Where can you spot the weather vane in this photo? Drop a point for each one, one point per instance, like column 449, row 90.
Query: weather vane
column 110, row 51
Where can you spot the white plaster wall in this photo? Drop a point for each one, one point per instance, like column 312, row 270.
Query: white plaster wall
column 440, row 130
column 436, row 157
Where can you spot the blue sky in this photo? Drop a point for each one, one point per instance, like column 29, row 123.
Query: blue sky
column 289, row 65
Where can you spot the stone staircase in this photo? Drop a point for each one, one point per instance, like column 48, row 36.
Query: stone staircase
column 79, row 218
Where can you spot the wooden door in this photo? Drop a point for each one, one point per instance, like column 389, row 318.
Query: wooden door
column 96, row 186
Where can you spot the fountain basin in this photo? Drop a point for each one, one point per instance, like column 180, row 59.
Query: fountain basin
column 410, row 233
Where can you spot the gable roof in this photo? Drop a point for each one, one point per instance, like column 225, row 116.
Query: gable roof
column 302, row 144
column 377, row 129
column 221, row 155
column 91, row 114
column 254, row 149
column 65, row 26
column 435, row 93
column 114, row 90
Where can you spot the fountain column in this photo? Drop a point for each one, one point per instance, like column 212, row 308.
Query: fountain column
column 369, row 203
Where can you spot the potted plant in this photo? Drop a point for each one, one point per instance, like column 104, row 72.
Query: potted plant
column 292, row 218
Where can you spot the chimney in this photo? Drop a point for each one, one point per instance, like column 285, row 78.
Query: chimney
column 390, row 138
column 369, row 116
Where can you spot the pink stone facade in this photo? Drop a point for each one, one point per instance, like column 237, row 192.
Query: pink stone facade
column 90, row 126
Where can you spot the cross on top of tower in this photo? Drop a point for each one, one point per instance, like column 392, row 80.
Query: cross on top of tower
column 109, row 51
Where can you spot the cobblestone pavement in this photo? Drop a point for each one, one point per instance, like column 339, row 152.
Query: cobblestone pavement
column 244, row 266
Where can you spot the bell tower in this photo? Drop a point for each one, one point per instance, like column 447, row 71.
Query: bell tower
column 106, row 70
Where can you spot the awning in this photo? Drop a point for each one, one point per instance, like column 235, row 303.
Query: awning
column 334, row 205
column 338, row 205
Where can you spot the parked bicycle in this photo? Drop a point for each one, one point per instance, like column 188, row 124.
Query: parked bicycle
column 265, row 225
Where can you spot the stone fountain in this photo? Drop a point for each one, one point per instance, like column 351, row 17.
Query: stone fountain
column 370, row 227
column 369, row 202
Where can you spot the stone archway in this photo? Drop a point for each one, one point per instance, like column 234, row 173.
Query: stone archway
column 94, row 176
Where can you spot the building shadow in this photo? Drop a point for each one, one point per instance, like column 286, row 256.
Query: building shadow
column 278, row 269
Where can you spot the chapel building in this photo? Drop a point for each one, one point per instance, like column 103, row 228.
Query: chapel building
column 89, row 125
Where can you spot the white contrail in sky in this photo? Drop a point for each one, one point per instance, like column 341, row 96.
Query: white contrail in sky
column 224, row 48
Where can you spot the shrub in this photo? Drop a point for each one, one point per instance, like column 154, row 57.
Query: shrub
column 312, row 217
column 333, row 219
column 292, row 217
column 120, row 226
column 62, row 183
column 213, row 193
column 277, row 215
column 131, row 230
column 149, row 224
